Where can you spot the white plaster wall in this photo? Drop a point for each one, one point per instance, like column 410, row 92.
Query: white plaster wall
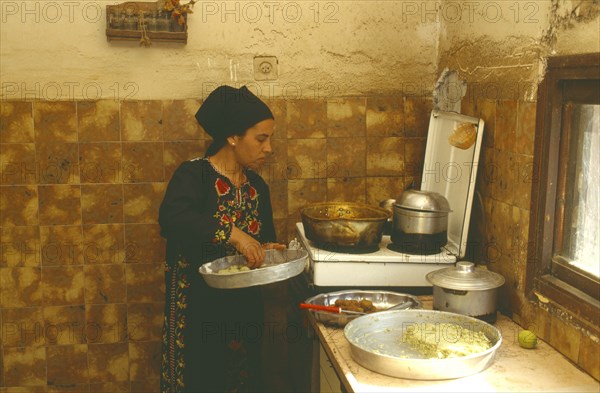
column 58, row 50
column 498, row 46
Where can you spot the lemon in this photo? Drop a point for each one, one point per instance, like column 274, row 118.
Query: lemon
column 527, row 339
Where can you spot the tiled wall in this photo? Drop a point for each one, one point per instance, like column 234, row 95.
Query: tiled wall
column 81, row 280
column 504, row 181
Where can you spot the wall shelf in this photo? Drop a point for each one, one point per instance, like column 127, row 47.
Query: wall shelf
column 121, row 18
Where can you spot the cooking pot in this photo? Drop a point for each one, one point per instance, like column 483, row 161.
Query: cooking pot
column 420, row 224
column 467, row 290
column 344, row 225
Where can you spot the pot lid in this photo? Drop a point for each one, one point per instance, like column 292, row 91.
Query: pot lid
column 423, row 200
column 465, row 276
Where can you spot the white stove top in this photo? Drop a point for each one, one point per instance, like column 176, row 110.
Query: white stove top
column 383, row 267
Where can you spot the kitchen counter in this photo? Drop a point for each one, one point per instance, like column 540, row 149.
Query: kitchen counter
column 514, row 369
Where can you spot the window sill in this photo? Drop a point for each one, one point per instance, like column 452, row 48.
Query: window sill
column 580, row 305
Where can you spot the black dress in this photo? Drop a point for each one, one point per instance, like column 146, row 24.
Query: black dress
column 211, row 337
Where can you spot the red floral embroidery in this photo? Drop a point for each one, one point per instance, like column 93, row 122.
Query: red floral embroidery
column 222, row 187
column 253, row 227
column 252, row 193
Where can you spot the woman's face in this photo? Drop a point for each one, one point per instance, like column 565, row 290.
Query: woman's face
column 252, row 148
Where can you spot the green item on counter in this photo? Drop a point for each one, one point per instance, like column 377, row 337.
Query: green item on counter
column 527, row 339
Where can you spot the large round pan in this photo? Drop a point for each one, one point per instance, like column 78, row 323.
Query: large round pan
column 376, row 343
column 382, row 300
column 278, row 266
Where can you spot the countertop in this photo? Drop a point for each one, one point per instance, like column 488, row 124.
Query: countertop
column 514, row 369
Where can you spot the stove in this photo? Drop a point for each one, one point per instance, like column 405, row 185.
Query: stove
column 383, row 267
column 448, row 170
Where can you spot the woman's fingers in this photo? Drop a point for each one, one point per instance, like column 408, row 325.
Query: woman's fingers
column 274, row 246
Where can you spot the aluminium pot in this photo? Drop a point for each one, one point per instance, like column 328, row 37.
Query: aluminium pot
column 466, row 289
column 420, row 223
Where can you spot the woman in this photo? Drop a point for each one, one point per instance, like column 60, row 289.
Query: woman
column 217, row 206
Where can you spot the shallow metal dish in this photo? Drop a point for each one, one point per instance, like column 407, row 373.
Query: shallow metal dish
column 381, row 299
column 376, row 343
column 278, row 266
column 344, row 224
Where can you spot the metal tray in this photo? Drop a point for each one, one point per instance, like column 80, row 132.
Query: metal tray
column 381, row 299
column 278, row 266
column 376, row 343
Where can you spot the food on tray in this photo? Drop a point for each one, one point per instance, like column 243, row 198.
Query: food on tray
column 444, row 340
column 362, row 305
column 234, row 269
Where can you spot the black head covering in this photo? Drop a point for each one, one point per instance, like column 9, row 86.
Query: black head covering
column 229, row 111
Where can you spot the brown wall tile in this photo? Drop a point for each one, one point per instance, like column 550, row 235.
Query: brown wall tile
column 141, row 121
column 346, row 190
column 103, row 244
column 307, row 158
column 525, row 133
column 100, row 162
column 281, row 230
column 385, row 116
column 102, row 203
column 414, row 155
column 143, row 244
column 67, row 364
column 179, row 122
column 566, row 339
column 142, row 202
column 522, row 180
column 588, row 356
column 55, row 121
column 18, row 164
column 18, row 205
column 68, row 388
column 16, row 122
column 20, row 287
column 275, row 168
column 279, row 109
column 385, row 156
column 64, row 325
column 306, row 119
column 506, row 125
column 108, row 362
column 61, row 245
column 20, row 246
column 22, row 327
column 106, row 323
column 145, row 283
column 346, row 157
column 60, row 205
column 143, row 162
column 147, row 386
column 417, row 112
column 112, row 387
column 304, row 192
column 144, row 360
column 346, row 117
column 62, row 285
column 105, row 284
column 381, row 188
column 279, row 198
column 145, row 321
column 25, row 366
column 487, row 111
column 58, row 163
column 98, row 121
column 175, row 153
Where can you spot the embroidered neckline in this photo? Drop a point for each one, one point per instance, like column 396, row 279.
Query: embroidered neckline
column 225, row 176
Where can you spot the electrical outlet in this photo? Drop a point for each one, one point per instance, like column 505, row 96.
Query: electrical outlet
column 265, row 68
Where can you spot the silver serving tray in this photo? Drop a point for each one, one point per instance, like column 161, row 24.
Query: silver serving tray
column 381, row 299
column 278, row 266
column 376, row 343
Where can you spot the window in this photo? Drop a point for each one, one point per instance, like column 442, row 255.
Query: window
column 564, row 253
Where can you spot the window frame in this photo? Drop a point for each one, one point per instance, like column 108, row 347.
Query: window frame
column 549, row 276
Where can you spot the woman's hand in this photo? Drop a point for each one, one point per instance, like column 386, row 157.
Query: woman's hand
column 249, row 247
column 274, row 246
